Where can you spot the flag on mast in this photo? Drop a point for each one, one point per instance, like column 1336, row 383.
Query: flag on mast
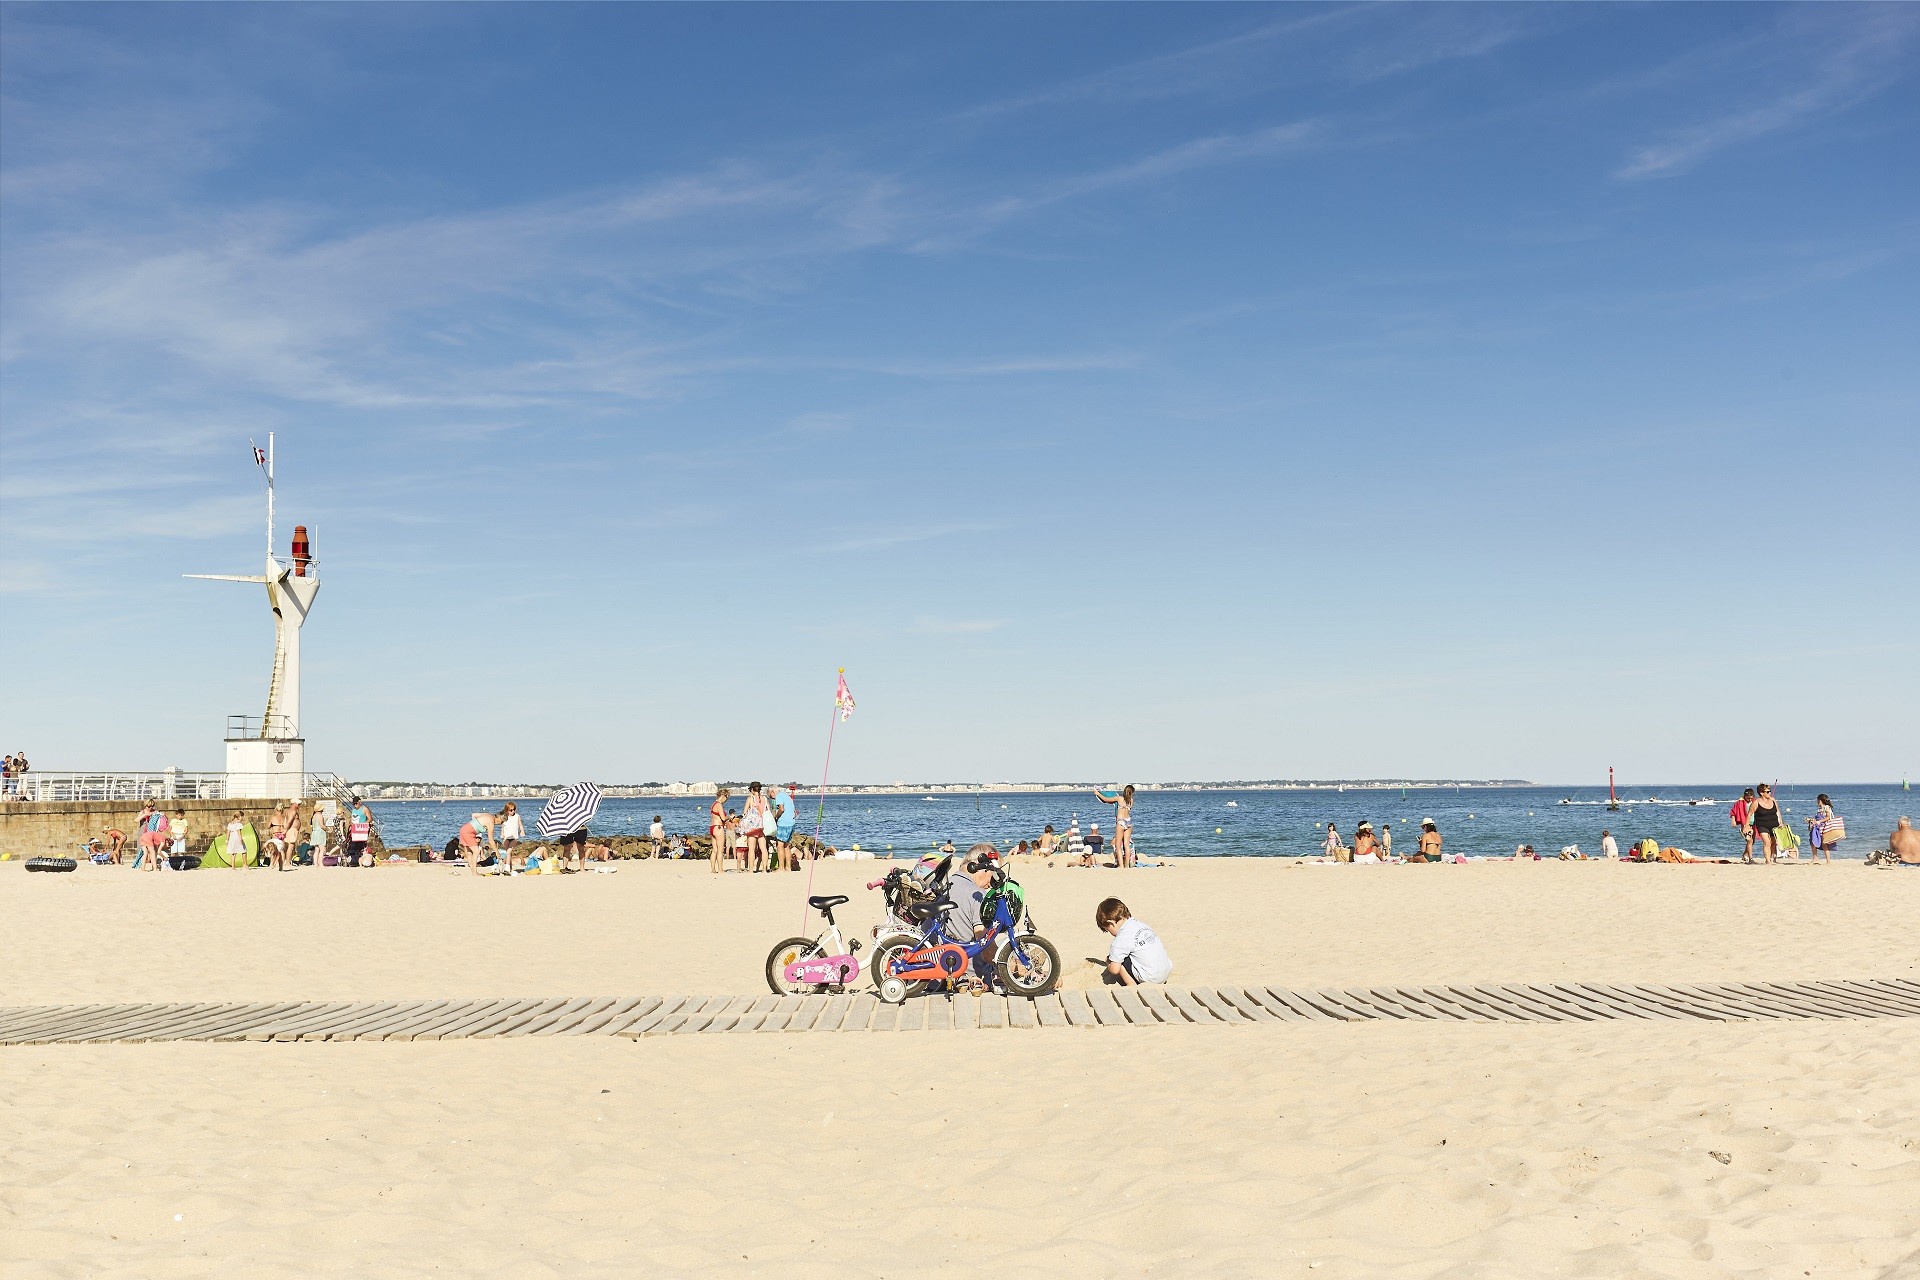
column 259, row 454
column 843, row 697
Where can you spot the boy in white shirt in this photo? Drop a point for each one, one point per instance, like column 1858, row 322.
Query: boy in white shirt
column 1136, row 954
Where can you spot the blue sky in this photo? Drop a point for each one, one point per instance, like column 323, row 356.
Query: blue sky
column 1116, row 392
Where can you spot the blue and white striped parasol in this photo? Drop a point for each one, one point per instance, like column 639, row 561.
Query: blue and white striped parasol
column 568, row 811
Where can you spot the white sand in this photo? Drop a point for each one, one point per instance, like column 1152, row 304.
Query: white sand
column 1371, row 1150
column 1374, row 1149
column 406, row 932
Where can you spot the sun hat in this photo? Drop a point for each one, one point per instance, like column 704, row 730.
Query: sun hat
column 1426, row 822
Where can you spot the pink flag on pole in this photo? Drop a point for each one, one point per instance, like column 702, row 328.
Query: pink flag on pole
column 843, row 697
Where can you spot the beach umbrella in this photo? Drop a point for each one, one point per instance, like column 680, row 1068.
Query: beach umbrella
column 569, row 810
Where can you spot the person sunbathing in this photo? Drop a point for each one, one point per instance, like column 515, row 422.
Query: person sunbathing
column 1904, row 844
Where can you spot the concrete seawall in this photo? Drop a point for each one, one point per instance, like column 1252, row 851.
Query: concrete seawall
column 57, row 828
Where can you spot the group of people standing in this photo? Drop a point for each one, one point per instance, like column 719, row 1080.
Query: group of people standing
column 760, row 836
column 11, row 773
column 1757, row 816
column 309, row 833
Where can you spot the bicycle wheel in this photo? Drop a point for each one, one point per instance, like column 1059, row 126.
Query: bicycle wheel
column 1036, row 974
column 885, row 953
column 784, row 954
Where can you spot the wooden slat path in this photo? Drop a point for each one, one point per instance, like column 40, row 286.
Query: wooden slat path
column 636, row 1017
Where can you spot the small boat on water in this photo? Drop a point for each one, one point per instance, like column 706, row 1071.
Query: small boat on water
column 1233, row 804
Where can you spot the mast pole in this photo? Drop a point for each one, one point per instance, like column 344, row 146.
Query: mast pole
column 269, row 495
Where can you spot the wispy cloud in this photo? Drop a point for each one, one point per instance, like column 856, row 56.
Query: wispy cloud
column 1841, row 62
column 1288, row 51
column 927, row 626
column 1206, row 67
column 1208, row 152
column 882, row 541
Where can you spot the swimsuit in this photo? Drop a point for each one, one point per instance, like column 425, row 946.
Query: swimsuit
column 1766, row 818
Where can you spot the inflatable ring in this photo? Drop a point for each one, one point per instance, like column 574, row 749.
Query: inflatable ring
column 51, row 864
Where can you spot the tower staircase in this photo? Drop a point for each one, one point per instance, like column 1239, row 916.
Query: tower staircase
column 272, row 717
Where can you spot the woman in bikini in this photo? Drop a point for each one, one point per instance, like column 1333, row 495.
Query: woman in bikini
column 1122, row 824
column 1763, row 819
column 1363, row 843
column 717, row 827
column 753, row 820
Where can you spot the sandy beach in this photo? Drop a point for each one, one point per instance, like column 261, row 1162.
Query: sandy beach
column 1357, row 1150
column 413, row 931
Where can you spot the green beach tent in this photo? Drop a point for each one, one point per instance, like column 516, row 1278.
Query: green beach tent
column 216, row 854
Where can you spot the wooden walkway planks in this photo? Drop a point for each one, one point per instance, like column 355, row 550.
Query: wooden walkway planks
column 1134, row 1008
column 634, row 1017
column 1075, row 1008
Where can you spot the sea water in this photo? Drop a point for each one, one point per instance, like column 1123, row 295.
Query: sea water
column 1485, row 821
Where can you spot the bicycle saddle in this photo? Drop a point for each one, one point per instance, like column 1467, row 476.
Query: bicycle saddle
column 824, row 902
column 936, row 907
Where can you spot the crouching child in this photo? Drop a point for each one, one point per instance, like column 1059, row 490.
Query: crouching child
column 1136, row 954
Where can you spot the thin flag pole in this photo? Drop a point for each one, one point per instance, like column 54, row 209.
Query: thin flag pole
column 841, row 709
column 820, row 814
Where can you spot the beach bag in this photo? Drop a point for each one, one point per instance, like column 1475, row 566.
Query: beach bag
column 1833, row 830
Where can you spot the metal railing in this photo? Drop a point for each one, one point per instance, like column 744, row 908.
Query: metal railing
column 168, row 784
column 259, row 726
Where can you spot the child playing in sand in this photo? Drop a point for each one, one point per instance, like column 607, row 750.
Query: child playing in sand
column 1136, row 954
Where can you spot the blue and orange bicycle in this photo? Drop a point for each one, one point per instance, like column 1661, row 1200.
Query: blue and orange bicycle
column 1023, row 963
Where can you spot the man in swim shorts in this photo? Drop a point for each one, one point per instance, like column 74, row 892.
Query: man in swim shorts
column 1904, row 844
column 783, row 813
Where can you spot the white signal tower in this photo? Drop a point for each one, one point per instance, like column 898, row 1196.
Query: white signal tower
column 266, row 756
